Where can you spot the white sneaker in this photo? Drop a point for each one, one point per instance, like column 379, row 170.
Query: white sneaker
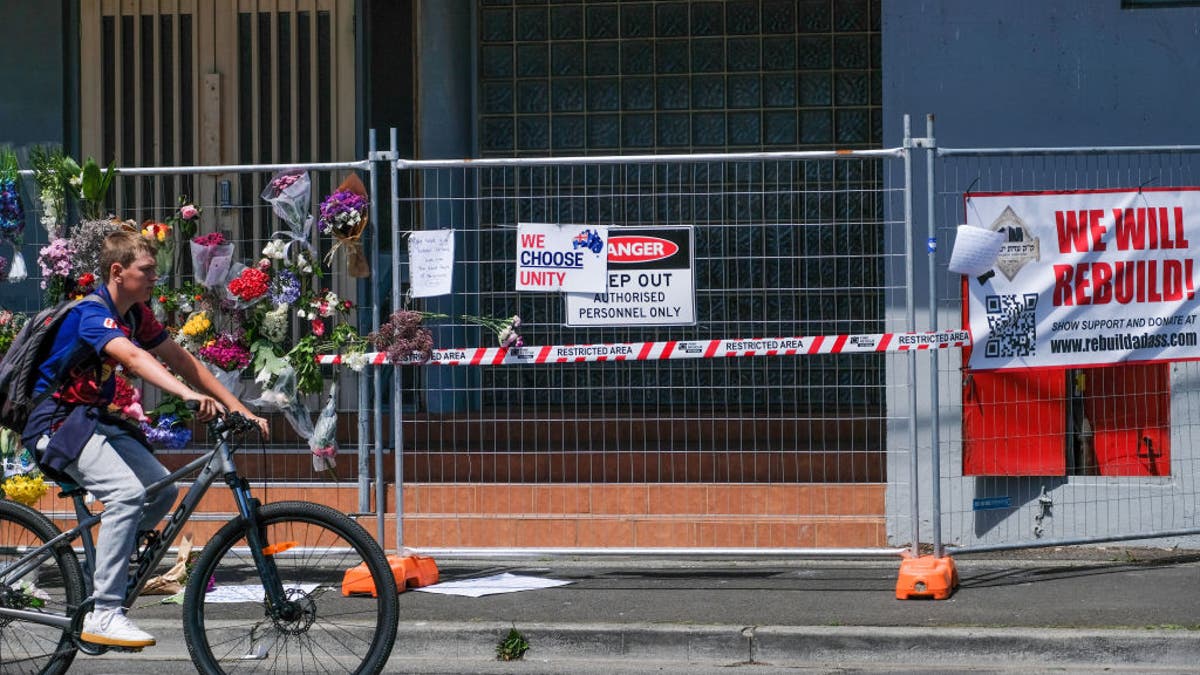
column 112, row 627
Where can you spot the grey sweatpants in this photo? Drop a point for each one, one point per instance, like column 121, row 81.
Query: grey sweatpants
column 116, row 468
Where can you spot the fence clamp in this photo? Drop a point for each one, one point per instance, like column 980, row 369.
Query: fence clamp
column 383, row 156
column 1044, row 503
column 925, row 142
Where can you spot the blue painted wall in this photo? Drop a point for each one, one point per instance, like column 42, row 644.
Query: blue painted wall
column 31, row 51
column 1042, row 73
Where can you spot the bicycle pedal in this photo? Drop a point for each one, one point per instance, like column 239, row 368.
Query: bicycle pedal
column 129, row 650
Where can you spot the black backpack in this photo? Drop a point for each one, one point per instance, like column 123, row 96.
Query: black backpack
column 29, row 349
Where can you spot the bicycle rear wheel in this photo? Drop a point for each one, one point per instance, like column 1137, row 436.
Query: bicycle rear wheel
column 230, row 629
column 54, row 586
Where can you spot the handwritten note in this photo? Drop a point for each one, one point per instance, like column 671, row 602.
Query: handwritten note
column 431, row 262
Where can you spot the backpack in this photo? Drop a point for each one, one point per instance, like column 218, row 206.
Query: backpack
column 29, row 349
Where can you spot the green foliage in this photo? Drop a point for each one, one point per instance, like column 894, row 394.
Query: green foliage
column 303, row 356
column 172, row 405
column 512, row 647
column 93, row 188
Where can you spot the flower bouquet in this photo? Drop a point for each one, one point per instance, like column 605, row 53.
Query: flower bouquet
column 227, row 355
column 167, row 425
column 323, row 442
column 12, row 213
column 10, row 324
column 211, row 258
column 404, row 338
column 168, row 431
column 186, row 218
column 344, row 217
column 288, row 194
column 127, row 401
column 20, row 478
column 161, row 235
column 50, row 174
column 250, row 285
column 57, row 260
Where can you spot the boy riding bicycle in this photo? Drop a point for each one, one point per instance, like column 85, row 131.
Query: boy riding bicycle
column 76, row 439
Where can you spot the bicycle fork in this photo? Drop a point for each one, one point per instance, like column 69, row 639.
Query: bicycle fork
column 261, row 550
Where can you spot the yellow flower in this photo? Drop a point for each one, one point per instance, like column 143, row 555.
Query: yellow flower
column 197, row 324
column 25, row 489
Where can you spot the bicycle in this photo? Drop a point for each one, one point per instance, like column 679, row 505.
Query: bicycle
column 264, row 595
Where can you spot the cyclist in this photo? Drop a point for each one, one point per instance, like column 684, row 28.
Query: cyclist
column 78, row 440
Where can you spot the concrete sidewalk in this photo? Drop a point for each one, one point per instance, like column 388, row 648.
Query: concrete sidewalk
column 1087, row 608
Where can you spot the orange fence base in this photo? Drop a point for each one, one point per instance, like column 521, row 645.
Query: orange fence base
column 926, row 577
column 410, row 571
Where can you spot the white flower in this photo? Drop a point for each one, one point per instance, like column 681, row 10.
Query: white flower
column 185, row 306
column 355, row 361
column 275, row 250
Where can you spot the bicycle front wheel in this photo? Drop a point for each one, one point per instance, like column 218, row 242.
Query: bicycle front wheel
column 50, row 586
column 230, row 627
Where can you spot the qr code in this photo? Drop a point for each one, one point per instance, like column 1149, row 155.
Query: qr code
column 1012, row 325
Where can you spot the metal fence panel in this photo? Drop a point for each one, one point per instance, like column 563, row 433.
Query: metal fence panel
column 1074, row 498
column 775, row 452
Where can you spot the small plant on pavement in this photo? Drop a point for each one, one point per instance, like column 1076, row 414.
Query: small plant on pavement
column 512, row 647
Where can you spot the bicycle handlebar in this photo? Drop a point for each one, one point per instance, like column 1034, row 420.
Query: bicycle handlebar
column 228, row 423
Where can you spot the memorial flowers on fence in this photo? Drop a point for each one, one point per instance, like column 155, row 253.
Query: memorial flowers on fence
column 164, row 240
column 406, row 340
column 288, row 193
column 12, row 212
column 212, row 257
column 344, row 217
column 20, row 478
column 50, row 174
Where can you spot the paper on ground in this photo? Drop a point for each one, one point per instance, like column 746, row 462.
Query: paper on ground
column 238, row 593
column 498, row 583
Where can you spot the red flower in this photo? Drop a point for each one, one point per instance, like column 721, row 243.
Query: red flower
column 87, row 279
column 251, row 284
column 318, row 327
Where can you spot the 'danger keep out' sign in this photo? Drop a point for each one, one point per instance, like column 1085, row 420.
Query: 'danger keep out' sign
column 650, row 281
column 561, row 257
column 1086, row 278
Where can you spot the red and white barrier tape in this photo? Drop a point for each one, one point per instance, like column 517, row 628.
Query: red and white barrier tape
column 682, row 349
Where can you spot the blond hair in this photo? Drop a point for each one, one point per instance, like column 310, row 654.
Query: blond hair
column 123, row 247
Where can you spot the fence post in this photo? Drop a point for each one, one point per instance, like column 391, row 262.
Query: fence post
column 364, row 419
column 910, row 325
column 935, row 488
column 397, row 390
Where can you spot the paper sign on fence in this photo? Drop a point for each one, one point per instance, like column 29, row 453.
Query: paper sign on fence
column 569, row 258
column 431, row 262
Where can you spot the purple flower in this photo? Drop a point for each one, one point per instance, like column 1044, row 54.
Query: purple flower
column 342, row 211
column 285, row 288
column 168, row 432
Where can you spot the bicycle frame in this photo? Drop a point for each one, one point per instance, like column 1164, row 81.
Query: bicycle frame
column 216, row 462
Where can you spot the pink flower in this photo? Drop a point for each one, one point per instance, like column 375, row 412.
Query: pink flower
column 264, row 264
column 188, row 211
column 325, row 451
column 318, row 327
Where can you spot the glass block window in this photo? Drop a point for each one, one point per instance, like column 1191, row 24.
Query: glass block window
column 569, row 78
column 603, row 77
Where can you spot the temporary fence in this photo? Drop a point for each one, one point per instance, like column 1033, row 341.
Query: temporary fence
column 628, row 433
column 1065, row 444
column 765, row 392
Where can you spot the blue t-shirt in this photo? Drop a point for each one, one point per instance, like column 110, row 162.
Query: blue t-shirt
column 91, row 326
column 70, row 416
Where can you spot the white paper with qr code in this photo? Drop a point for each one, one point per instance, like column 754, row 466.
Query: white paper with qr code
column 1090, row 277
